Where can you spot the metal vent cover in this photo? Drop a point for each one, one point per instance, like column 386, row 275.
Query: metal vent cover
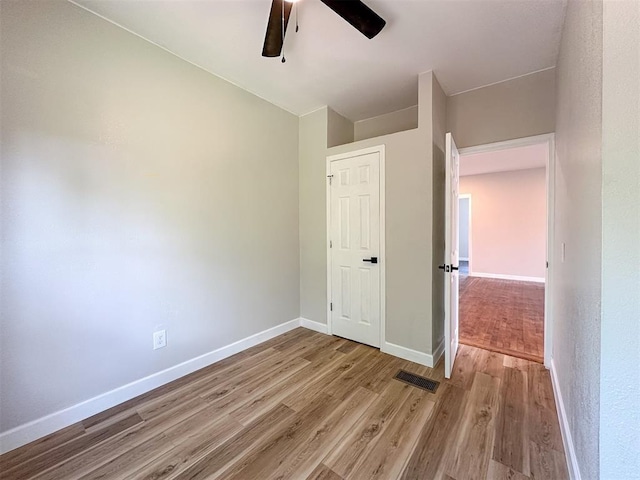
column 417, row 381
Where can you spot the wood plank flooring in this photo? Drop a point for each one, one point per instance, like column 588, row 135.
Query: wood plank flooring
column 307, row 406
column 503, row 316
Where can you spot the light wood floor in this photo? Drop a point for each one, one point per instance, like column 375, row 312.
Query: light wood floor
column 503, row 316
column 307, row 406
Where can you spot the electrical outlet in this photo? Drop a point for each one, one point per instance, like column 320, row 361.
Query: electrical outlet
column 159, row 339
column 563, row 253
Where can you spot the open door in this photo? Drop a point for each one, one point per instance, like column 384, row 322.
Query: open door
column 450, row 266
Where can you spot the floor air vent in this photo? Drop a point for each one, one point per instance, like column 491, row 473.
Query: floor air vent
column 417, row 381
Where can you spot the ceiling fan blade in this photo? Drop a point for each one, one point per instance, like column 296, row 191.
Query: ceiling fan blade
column 368, row 22
column 273, row 39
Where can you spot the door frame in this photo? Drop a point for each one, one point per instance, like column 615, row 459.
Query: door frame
column 380, row 149
column 550, row 140
column 469, row 221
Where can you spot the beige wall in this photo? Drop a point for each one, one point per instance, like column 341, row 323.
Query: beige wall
column 508, row 222
column 620, row 329
column 414, row 219
column 578, row 224
column 438, row 128
column 517, row 108
column 137, row 191
column 409, row 224
column 408, row 238
column 399, row 121
column 317, row 131
column 339, row 129
column 312, row 210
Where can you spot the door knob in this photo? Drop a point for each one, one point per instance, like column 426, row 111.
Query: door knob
column 372, row 259
column 447, row 268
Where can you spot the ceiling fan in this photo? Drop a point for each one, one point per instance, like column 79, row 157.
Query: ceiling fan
column 365, row 20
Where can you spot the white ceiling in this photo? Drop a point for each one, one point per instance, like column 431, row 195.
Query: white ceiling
column 520, row 158
column 467, row 43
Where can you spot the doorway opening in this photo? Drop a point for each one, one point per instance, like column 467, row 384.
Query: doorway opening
column 504, row 227
column 464, row 233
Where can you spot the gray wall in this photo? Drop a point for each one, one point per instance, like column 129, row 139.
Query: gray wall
column 133, row 195
column 578, row 224
column 398, row 121
column 512, row 109
column 620, row 331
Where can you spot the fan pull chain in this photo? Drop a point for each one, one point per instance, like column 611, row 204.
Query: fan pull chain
column 295, row 7
column 283, row 59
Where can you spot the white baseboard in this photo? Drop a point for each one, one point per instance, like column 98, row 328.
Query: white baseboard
column 390, row 348
column 438, row 353
column 31, row 431
column 499, row 276
column 35, row 429
column 567, row 440
column 409, row 354
column 313, row 325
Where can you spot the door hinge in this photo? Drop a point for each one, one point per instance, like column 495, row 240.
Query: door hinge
column 547, row 264
column 331, row 307
column 330, row 244
column 330, row 177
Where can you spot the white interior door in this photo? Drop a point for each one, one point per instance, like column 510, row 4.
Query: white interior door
column 354, row 236
column 451, row 255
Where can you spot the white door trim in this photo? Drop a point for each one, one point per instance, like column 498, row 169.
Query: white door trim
column 383, row 258
column 515, row 143
column 549, row 139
